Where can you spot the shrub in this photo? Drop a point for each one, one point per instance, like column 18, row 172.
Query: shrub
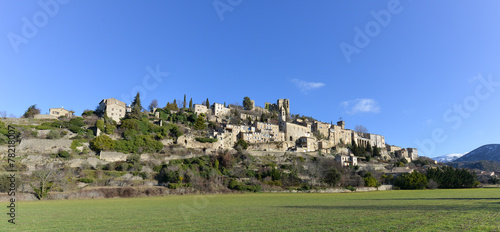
column 241, row 143
column 86, row 180
column 63, row 154
column 351, row 188
column 102, row 142
column 88, row 113
column 206, row 140
column 415, row 180
column 53, row 134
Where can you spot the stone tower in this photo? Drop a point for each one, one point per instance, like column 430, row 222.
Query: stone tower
column 341, row 124
column 284, row 105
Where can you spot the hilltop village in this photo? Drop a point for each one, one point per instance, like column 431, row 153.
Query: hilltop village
column 197, row 148
column 264, row 129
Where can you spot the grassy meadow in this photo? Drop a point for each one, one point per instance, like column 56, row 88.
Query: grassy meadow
column 455, row 210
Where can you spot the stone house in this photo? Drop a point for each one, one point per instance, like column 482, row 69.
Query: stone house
column 392, row 148
column 347, row 160
column 58, row 112
column 294, row 131
column 200, row 109
column 306, row 144
column 321, row 128
column 409, row 154
column 220, row 110
column 113, row 108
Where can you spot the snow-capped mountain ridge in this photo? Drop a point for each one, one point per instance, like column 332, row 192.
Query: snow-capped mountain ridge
column 486, row 152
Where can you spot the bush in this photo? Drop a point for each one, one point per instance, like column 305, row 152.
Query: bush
column 415, row 180
column 63, row 154
column 206, row 140
column 351, row 188
column 370, row 181
column 86, row 180
column 102, row 142
column 53, row 135
column 241, row 143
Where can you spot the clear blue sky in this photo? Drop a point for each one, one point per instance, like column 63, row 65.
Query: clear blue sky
column 403, row 82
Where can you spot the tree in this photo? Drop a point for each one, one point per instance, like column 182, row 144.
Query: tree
column 376, row 151
column 31, row 111
column 207, row 103
column 361, row 129
column 370, row 181
column 42, row 181
column 191, row 104
column 200, row 123
column 247, row 103
column 153, row 105
column 184, row 102
column 100, row 124
column 102, row 142
column 332, row 176
column 172, row 106
column 241, row 143
column 415, row 180
column 136, row 107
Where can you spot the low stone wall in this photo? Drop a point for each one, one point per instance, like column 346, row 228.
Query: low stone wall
column 113, row 156
column 43, row 146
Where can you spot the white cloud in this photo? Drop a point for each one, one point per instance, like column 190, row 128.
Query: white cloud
column 305, row 86
column 361, row 105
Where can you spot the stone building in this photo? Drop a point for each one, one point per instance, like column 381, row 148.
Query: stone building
column 200, row 109
column 113, row 108
column 412, row 153
column 347, row 160
column 294, row 131
column 306, row 144
column 391, row 148
column 321, row 128
column 338, row 134
column 58, row 112
column 221, row 110
column 270, row 128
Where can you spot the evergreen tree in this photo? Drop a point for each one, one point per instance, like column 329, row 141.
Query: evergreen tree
column 184, row 102
column 136, row 107
column 191, row 104
column 247, row 103
column 31, row 112
column 207, row 103
column 200, row 123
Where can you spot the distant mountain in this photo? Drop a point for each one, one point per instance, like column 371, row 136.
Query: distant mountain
column 447, row 158
column 487, row 152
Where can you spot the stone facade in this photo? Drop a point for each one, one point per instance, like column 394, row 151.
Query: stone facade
column 200, row 109
column 113, row 108
column 321, row 128
column 307, row 144
column 347, row 160
column 221, row 110
column 294, row 131
column 58, row 112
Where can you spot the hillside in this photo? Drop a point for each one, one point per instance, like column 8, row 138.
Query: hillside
column 487, row 152
column 489, row 166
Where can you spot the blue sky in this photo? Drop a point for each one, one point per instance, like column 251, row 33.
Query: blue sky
column 424, row 74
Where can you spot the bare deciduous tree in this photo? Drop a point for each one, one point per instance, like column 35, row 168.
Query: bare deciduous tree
column 361, row 129
column 154, row 104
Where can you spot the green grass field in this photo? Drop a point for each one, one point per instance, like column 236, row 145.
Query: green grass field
column 455, row 210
